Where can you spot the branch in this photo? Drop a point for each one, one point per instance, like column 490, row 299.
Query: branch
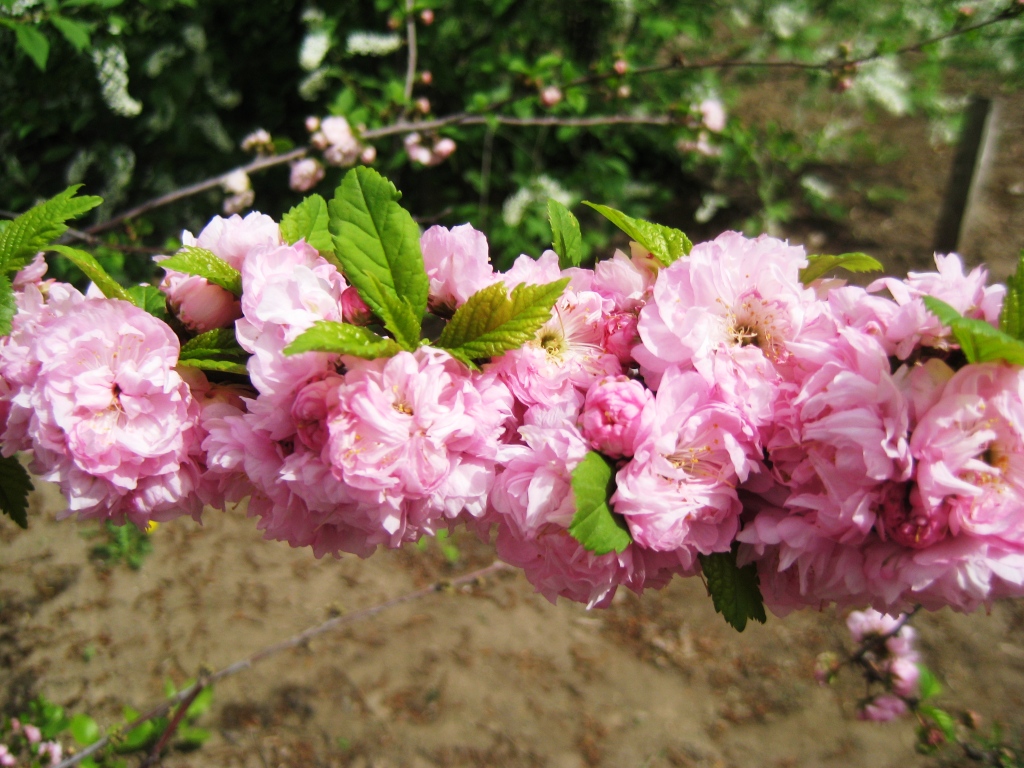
column 189, row 693
column 410, row 35
column 169, row 731
column 179, row 194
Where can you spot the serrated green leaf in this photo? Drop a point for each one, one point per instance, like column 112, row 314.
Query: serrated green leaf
column 735, row 591
column 1011, row 319
column 225, row 366
column 8, row 306
column 979, row 341
column 491, row 322
column 820, row 264
column 594, row 525
column 664, row 243
column 31, row 232
column 32, row 42
column 309, row 220
column 928, row 685
column 941, row 718
column 15, row 486
column 149, row 298
column 378, row 245
column 565, row 231
column 218, row 343
column 84, row 729
column 75, row 32
column 91, row 268
column 343, row 339
column 205, row 264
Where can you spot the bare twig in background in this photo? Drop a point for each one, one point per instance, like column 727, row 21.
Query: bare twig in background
column 189, row 693
column 410, row 36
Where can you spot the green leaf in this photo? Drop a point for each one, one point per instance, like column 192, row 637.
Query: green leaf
column 928, row 685
column 205, row 264
column 149, row 298
column 225, row 366
column 8, row 306
column 735, row 591
column 32, row 42
column 91, row 268
column 567, row 238
column 979, row 341
column 75, row 32
column 343, row 339
column 137, row 738
column 220, row 342
column 941, row 718
column 191, row 737
column 378, row 245
column 15, row 485
column 820, row 264
column 200, row 704
column 491, row 323
column 595, row 526
column 309, row 220
column 1011, row 319
column 664, row 243
column 31, row 232
column 84, row 729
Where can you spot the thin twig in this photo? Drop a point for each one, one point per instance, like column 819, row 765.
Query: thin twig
column 300, row 639
column 179, row 194
column 172, row 727
column 410, row 36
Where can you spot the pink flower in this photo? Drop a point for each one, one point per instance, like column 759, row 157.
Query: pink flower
column 103, row 410
column 869, row 623
column 712, row 114
column 679, row 491
column 32, row 272
column 6, row 758
column 904, row 675
column 335, row 137
column 457, row 264
column 612, row 414
column 882, row 709
column 232, row 239
column 305, row 174
column 32, row 733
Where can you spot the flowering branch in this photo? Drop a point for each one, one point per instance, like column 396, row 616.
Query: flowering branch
column 185, row 696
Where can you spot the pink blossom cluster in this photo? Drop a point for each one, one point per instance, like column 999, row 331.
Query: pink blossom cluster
column 887, row 650
column 832, row 435
column 28, row 737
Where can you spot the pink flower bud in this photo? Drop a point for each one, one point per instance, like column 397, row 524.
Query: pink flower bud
column 426, row 77
column 883, row 708
column 258, row 141
column 201, row 306
column 419, row 154
column 353, row 308
column 423, row 105
column 550, row 95
column 620, row 66
column 427, row 16
column 32, row 733
column 15, row 725
column 443, row 150
column 309, row 412
column 712, row 114
column 319, row 140
column 312, row 124
column 306, row 174
column 612, row 414
column 368, row 155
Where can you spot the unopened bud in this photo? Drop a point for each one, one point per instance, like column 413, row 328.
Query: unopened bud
column 312, row 124
column 368, row 155
column 426, row 77
column 624, row 91
column 427, row 16
column 620, row 66
column 423, row 105
column 550, row 95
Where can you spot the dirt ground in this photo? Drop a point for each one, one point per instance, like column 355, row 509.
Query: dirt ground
column 493, row 675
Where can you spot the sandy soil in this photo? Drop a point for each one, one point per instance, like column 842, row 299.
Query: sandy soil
column 493, row 675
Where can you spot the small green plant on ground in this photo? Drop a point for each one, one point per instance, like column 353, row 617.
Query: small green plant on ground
column 124, row 544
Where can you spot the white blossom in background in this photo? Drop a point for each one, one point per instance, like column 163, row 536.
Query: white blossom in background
column 194, row 37
column 112, row 73
column 312, row 84
column 538, row 190
column 786, row 19
column 710, row 204
column 18, row 7
column 883, row 82
column 315, row 46
column 258, row 141
column 372, row 44
column 161, row 57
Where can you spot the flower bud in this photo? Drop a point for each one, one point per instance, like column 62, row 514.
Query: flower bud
column 426, row 77
column 312, row 124
column 550, row 95
column 368, row 155
column 427, row 16
column 612, row 414
column 620, row 66
column 305, row 174
column 353, row 308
